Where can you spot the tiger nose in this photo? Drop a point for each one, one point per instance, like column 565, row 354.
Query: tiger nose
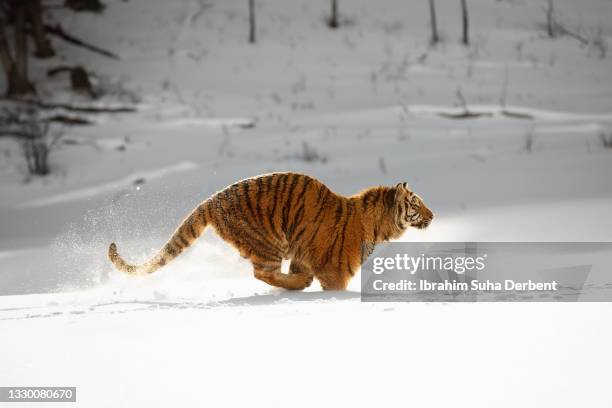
column 426, row 213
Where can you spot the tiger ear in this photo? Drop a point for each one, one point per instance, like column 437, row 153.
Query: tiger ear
column 403, row 185
column 390, row 197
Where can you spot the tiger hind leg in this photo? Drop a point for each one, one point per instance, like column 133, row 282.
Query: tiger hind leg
column 270, row 272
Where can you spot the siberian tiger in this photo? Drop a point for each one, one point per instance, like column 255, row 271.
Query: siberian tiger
column 292, row 216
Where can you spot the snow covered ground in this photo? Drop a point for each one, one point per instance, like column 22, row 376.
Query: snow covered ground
column 360, row 106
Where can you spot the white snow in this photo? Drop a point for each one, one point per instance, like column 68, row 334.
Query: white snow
column 213, row 122
column 125, row 182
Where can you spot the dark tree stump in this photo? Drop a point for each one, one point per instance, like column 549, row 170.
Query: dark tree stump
column 79, row 81
column 79, row 78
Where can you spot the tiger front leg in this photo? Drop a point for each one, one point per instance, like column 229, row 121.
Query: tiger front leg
column 336, row 274
column 333, row 279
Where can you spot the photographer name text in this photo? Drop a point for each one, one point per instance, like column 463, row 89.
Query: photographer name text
column 424, row 285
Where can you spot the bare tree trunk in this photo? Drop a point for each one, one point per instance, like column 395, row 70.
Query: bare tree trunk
column 16, row 70
column 550, row 19
column 5, row 53
column 434, row 25
column 35, row 16
column 21, row 41
column 333, row 19
column 466, row 27
column 252, row 21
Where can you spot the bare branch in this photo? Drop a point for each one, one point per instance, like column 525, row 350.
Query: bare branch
column 72, row 108
column 58, row 31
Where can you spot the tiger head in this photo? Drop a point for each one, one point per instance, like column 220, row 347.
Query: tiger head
column 408, row 208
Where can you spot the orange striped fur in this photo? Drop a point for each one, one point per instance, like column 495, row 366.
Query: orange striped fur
column 293, row 216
